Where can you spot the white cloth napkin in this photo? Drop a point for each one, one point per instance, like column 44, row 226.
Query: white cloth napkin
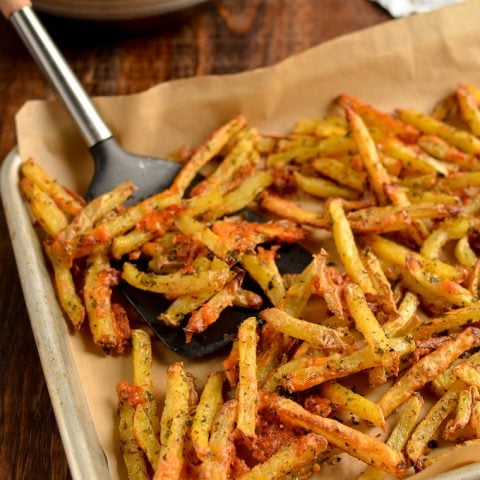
column 402, row 8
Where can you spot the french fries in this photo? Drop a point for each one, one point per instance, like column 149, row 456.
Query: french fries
column 388, row 206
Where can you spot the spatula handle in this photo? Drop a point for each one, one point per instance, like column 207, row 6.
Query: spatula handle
column 56, row 70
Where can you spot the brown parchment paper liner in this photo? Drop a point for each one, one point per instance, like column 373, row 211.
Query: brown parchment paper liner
column 408, row 63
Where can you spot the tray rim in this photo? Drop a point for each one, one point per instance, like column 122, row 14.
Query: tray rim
column 85, row 455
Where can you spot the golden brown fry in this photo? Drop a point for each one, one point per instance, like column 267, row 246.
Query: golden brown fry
column 399, row 435
column 377, row 174
column 221, row 445
column 368, row 325
column 425, row 430
column 264, row 271
column 110, row 331
column 178, row 283
column 208, row 405
column 354, row 403
column 346, row 246
column 68, row 202
column 374, row 118
column 247, row 383
column 293, row 456
column 459, row 138
column 173, row 424
column 291, row 211
column 398, row 255
column 142, row 376
column 469, row 109
column 145, row 436
column 341, row 172
column 341, row 436
column 427, row 369
column 319, row 187
column 462, row 414
column 43, row 208
column 448, row 321
column 68, row 297
column 131, row 452
column 317, row 335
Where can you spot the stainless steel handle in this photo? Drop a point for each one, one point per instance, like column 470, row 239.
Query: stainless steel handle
column 60, row 76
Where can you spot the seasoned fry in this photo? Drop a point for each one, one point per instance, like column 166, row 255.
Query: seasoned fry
column 111, row 331
column 290, row 458
column 366, row 323
column 353, row 403
column 68, row 202
column 317, row 335
column 44, row 209
column 428, row 426
column 346, row 246
column 348, row 439
column 427, row 369
column 132, row 453
column 462, row 414
column 247, row 383
column 208, row 405
column 221, row 446
column 399, row 435
column 142, row 377
column 459, row 138
column 173, row 424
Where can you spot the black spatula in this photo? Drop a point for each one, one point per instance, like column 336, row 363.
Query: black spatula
column 113, row 165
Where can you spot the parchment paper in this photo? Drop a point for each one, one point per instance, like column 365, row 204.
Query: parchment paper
column 408, row 63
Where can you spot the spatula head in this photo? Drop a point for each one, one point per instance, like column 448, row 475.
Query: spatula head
column 114, row 165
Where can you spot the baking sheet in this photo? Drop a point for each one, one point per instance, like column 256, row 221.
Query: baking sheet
column 409, row 63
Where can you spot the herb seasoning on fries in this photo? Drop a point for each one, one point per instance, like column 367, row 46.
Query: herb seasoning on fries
column 380, row 331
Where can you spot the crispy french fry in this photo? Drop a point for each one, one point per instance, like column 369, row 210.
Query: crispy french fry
column 430, row 424
column 288, row 459
column 399, row 435
column 221, row 445
column 44, row 209
column 348, row 439
column 462, row 414
column 346, row 246
column 469, row 373
column 69, row 300
column 377, row 174
column 263, row 270
column 131, row 452
column 375, row 118
column 353, row 403
column 142, row 376
column 459, row 138
column 319, row 187
column 173, row 424
column 366, row 323
column 208, row 405
column 67, row 201
column 178, row 283
column 247, row 384
column 145, row 436
column 427, row 369
column 341, row 172
column 448, row 321
column 110, row 331
column 398, row 254
column 317, row 335
column 469, row 109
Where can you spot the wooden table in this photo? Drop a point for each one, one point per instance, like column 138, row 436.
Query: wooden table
column 218, row 37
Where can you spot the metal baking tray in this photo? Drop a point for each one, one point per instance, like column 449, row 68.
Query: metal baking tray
column 84, row 452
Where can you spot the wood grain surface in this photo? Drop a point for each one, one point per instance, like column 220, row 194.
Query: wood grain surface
column 218, row 37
